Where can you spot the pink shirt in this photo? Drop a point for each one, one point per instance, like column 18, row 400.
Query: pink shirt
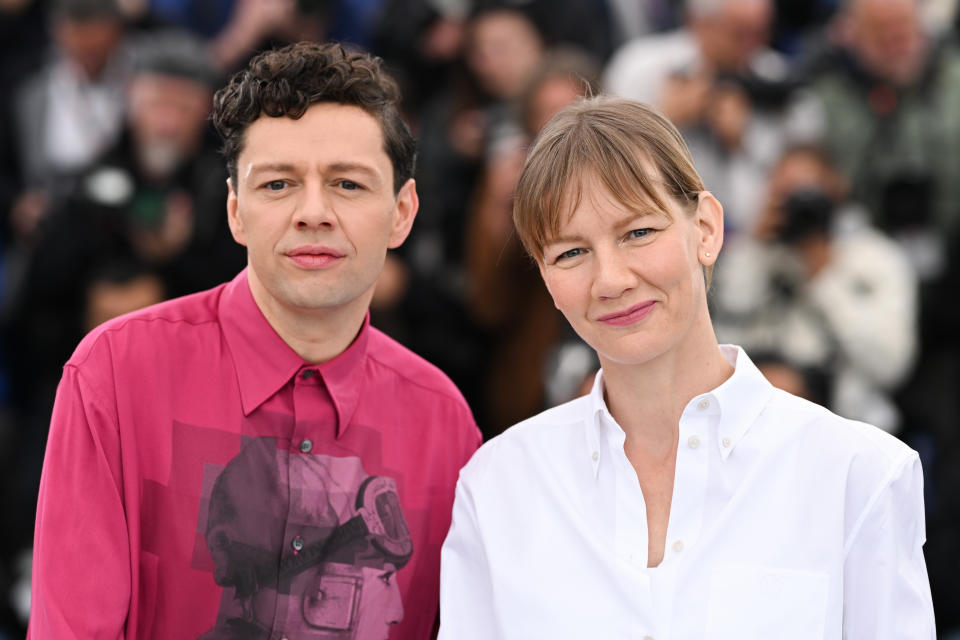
column 202, row 480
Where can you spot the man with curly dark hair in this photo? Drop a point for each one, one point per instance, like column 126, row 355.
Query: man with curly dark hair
column 256, row 460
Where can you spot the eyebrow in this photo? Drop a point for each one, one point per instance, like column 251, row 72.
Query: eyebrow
column 353, row 166
column 282, row 167
column 626, row 221
column 278, row 167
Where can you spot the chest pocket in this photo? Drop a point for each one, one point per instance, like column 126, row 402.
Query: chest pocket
column 750, row 602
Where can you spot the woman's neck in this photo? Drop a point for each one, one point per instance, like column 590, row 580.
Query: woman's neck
column 648, row 399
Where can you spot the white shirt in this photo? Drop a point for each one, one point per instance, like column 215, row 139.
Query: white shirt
column 787, row 522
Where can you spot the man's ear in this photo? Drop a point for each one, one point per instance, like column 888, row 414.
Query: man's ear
column 404, row 213
column 709, row 221
column 233, row 216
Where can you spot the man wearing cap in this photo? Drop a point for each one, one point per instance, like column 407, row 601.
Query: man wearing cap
column 256, row 460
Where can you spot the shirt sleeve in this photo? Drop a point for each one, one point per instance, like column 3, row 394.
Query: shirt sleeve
column 886, row 589
column 81, row 559
column 466, row 591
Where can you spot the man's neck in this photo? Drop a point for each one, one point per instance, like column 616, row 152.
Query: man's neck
column 316, row 335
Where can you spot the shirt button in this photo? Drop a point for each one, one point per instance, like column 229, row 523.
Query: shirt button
column 703, row 405
column 595, row 456
column 307, row 374
column 306, row 446
column 693, row 442
column 678, row 546
column 297, row 543
column 726, row 442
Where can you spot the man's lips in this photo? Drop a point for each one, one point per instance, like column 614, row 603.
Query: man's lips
column 314, row 256
column 636, row 313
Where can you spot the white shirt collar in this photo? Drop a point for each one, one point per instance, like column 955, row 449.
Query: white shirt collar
column 738, row 401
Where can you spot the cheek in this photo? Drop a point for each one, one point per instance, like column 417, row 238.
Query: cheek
column 568, row 289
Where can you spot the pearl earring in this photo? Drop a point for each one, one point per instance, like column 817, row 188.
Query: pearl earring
column 706, row 253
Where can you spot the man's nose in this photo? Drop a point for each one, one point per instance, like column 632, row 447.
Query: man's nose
column 314, row 209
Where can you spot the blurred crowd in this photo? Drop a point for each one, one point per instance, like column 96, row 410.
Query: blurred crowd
column 829, row 130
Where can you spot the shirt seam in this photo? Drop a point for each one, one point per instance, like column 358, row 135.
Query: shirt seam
column 895, row 471
column 87, row 387
column 455, row 399
column 123, row 325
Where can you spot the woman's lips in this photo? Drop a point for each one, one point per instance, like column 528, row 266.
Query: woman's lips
column 634, row 314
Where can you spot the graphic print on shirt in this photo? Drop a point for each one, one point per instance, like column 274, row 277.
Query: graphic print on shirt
column 306, row 545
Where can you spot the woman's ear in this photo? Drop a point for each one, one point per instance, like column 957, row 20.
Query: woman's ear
column 709, row 225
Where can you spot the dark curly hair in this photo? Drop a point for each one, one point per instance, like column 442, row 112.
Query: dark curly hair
column 287, row 81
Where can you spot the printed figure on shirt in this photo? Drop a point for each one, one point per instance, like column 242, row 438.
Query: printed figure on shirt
column 688, row 497
column 350, row 539
column 256, row 460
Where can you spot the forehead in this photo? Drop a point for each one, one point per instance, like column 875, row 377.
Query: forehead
column 590, row 200
column 326, row 133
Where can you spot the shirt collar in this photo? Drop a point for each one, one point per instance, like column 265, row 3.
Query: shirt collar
column 344, row 376
column 739, row 400
column 265, row 363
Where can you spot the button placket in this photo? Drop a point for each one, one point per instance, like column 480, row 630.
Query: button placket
column 690, row 487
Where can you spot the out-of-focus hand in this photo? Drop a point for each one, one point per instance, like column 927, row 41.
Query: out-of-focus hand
column 467, row 131
column 391, row 285
column 27, row 211
column 815, row 253
column 173, row 234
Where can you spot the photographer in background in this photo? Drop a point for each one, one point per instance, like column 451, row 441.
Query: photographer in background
column 886, row 95
column 717, row 79
column 154, row 200
column 820, row 287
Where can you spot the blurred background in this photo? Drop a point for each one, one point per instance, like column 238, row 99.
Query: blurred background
column 829, row 130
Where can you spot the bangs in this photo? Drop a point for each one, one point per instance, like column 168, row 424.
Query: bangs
column 580, row 146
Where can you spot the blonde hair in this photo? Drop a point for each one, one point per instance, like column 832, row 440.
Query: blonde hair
column 629, row 146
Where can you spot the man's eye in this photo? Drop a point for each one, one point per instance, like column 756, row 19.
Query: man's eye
column 350, row 185
column 276, row 185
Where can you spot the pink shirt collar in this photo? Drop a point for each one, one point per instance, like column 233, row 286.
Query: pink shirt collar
column 265, row 363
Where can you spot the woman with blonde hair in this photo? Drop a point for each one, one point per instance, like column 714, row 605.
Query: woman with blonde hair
column 684, row 497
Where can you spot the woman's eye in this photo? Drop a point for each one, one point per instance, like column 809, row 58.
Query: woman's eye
column 639, row 233
column 572, row 253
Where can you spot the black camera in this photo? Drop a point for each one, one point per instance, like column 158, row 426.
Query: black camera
column 907, row 199
column 806, row 212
